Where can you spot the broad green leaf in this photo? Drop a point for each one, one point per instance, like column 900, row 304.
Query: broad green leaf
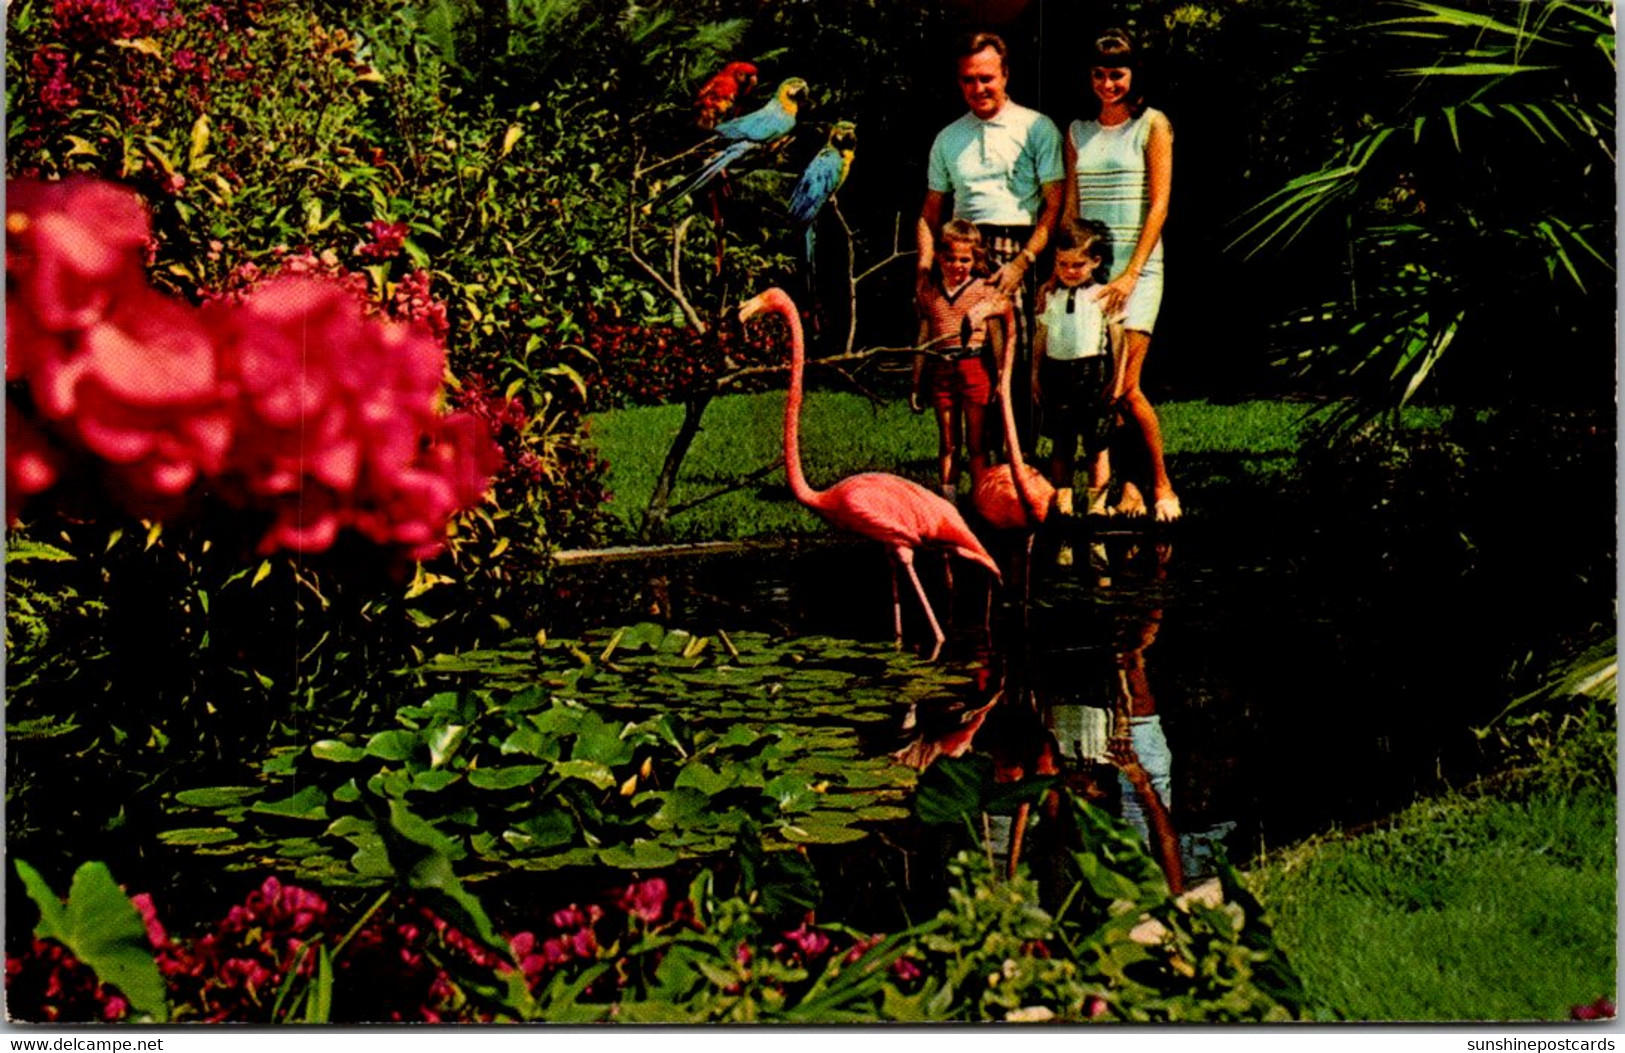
column 101, row 927
column 392, row 745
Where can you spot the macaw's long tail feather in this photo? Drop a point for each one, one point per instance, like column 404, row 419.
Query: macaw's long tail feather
column 718, row 164
column 812, row 249
column 717, row 194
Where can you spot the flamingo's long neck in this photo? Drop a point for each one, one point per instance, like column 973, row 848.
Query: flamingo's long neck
column 792, row 404
column 1018, row 467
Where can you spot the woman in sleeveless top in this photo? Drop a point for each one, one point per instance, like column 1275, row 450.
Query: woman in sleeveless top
column 1119, row 171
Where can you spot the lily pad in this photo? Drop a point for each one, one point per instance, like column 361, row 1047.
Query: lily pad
column 505, row 778
column 217, row 796
column 639, row 855
column 198, row 835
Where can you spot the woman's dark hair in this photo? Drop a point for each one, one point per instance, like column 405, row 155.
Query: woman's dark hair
column 1086, row 235
column 1115, row 49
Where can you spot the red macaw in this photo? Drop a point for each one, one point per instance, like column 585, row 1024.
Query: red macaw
column 717, row 98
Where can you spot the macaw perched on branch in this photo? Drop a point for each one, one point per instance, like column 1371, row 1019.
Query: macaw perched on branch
column 718, row 96
column 753, row 132
column 822, row 179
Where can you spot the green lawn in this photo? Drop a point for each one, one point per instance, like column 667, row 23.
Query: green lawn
column 842, row 433
column 1481, row 908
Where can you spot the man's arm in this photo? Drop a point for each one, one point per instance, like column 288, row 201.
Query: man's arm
column 932, row 214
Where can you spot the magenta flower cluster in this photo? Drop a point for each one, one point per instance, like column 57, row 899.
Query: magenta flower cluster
column 387, row 241
column 91, row 20
column 404, row 968
column 289, row 400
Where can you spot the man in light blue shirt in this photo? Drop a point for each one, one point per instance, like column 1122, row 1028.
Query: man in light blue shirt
column 1000, row 166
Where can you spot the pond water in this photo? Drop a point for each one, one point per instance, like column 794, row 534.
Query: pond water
column 1296, row 685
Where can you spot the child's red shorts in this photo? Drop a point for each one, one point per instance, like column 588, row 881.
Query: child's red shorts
column 959, row 382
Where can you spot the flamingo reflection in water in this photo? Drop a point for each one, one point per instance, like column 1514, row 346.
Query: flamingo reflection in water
column 900, row 514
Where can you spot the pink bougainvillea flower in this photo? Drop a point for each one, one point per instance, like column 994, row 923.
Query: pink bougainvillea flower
column 73, row 248
column 294, row 398
column 33, row 464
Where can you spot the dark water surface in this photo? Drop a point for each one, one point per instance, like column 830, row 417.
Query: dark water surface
column 1302, row 684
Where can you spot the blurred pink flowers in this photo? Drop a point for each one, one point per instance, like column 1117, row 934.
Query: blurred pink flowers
column 291, row 400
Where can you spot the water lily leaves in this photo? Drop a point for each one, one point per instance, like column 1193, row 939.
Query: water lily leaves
column 334, row 750
column 531, row 742
column 639, row 855
column 308, row 803
column 600, row 742
column 429, row 781
column 590, row 771
column 505, row 778
column 696, row 775
column 443, row 742
column 794, row 792
column 545, row 830
column 198, row 835
column 680, row 808
column 816, row 830
column 630, row 748
column 392, row 745
column 216, row 796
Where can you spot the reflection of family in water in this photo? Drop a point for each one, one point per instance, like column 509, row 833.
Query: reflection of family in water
column 1085, row 714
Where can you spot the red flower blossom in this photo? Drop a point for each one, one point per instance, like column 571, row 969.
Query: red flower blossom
column 387, row 240
column 645, row 900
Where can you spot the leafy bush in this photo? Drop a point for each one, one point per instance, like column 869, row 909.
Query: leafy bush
column 639, row 955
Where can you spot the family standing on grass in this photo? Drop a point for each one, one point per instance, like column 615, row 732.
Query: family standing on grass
column 1004, row 186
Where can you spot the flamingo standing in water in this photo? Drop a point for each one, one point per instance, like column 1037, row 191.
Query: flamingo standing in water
column 900, row 514
column 1013, row 496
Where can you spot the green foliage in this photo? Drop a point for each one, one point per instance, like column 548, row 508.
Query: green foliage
column 577, row 763
column 101, row 928
column 1467, row 908
column 1486, row 168
column 1567, row 727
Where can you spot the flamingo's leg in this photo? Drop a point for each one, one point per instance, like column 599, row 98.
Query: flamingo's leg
column 1018, row 831
column 906, row 558
column 896, row 608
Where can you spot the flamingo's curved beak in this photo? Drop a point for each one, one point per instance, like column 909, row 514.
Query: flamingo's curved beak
column 753, row 306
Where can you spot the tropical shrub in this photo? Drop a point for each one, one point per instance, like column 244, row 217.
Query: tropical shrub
column 639, row 954
column 1476, row 191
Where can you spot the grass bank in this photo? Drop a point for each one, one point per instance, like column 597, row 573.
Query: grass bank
column 842, row 433
column 1498, row 906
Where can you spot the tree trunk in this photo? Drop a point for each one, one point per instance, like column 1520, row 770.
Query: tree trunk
column 654, row 517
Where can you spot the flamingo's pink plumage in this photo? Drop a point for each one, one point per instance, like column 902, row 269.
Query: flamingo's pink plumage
column 900, row 514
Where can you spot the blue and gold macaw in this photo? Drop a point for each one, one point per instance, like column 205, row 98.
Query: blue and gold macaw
column 751, row 133
column 822, row 179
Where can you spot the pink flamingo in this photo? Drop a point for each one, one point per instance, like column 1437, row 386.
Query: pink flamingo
column 900, row 514
column 1013, row 496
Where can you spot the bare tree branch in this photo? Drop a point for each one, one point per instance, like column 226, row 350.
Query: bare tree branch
column 673, row 287
column 833, row 360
